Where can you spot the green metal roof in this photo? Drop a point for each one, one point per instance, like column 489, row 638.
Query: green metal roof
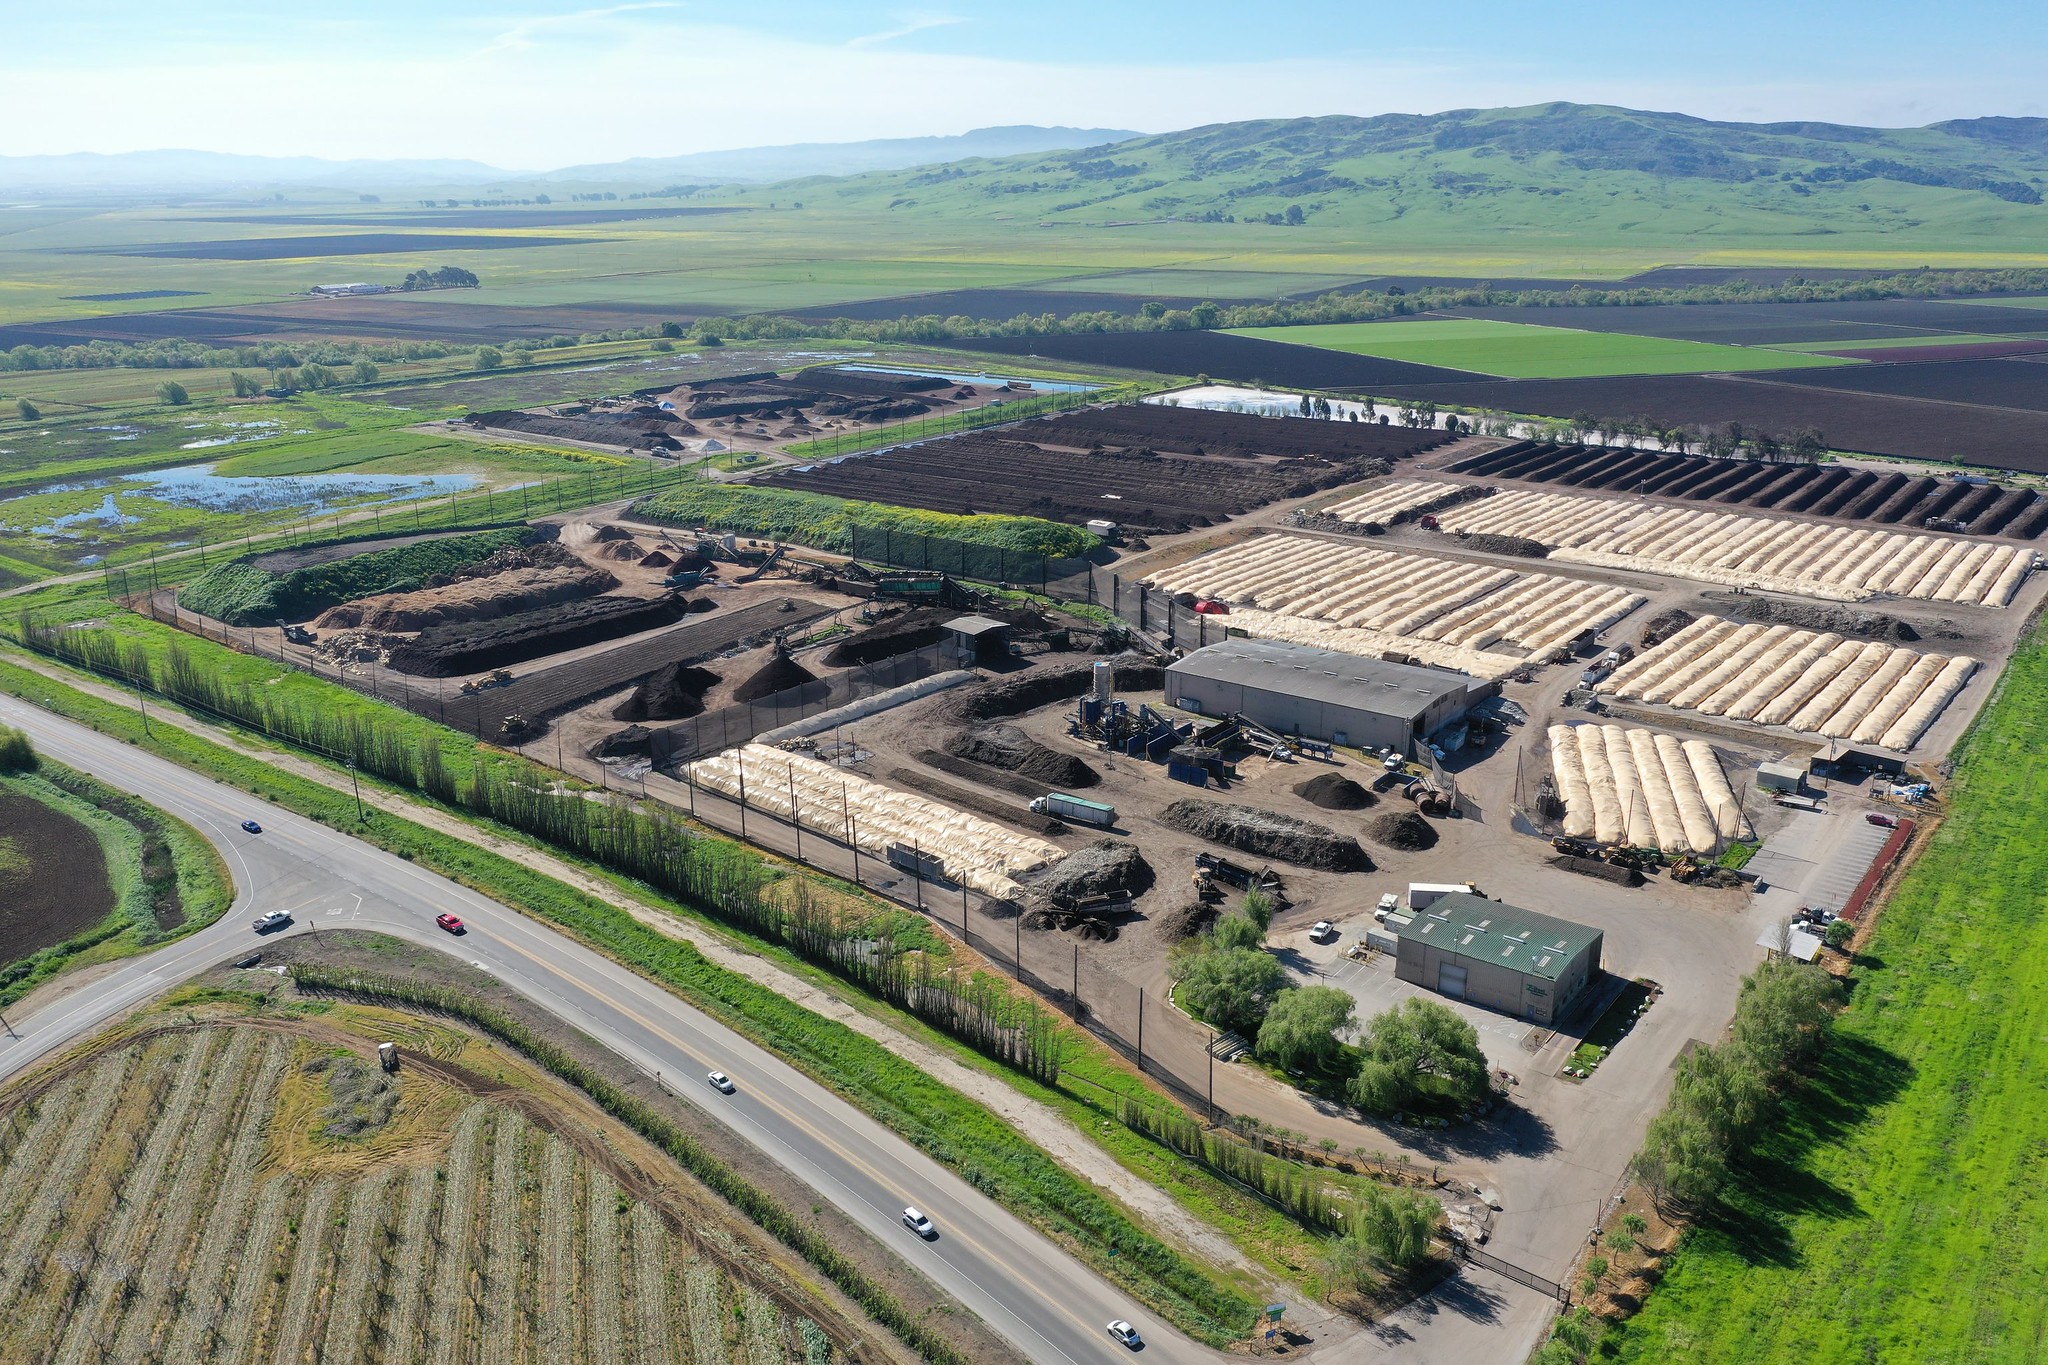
column 1472, row 926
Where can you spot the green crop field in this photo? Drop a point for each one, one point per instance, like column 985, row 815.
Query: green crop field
column 1516, row 350
column 1901, row 1211
column 1895, row 342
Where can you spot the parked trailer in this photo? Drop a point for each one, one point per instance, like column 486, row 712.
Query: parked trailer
column 1422, row 895
column 1074, row 808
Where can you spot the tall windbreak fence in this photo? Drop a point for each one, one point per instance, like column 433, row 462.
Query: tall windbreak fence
column 1067, row 578
column 740, row 722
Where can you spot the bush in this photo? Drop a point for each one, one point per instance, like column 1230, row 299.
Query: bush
column 173, row 393
column 29, row 411
column 1420, row 1055
column 1839, row 933
column 17, row 755
column 1237, row 930
column 489, row 357
column 1231, row 988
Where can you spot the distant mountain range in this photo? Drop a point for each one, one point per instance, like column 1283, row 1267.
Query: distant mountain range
column 194, row 170
column 1590, row 168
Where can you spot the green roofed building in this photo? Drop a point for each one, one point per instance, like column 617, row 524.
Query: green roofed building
column 1515, row 961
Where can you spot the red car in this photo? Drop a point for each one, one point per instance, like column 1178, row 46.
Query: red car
column 1883, row 821
column 449, row 922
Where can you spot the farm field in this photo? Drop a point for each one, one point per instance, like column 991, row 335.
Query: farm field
column 1771, row 324
column 1867, row 423
column 1841, row 491
column 259, row 1190
column 54, row 882
column 1992, row 382
column 1893, row 1213
column 1222, row 356
column 1521, row 350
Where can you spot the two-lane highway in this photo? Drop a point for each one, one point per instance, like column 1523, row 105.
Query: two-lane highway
column 1049, row 1306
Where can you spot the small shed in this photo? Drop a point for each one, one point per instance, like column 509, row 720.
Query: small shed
column 977, row 639
column 1781, row 777
column 1801, row 945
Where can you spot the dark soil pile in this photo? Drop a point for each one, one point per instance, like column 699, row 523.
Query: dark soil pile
column 1267, row 834
column 1104, row 868
column 697, row 606
column 689, row 561
column 675, row 693
column 1664, row 625
column 1029, row 691
column 474, row 646
column 1518, row 546
column 1008, row 748
column 655, row 559
column 1404, row 830
column 779, row 674
column 1185, row 921
column 1334, row 791
column 634, row 739
column 981, row 773
column 611, row 533
column 911, row 631
column 1867, row 625
column 622, row 550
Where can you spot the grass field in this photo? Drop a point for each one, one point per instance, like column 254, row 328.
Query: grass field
column 1515, row 350
column 259, row 1191
column 1890, row 343
column 1900, row 1213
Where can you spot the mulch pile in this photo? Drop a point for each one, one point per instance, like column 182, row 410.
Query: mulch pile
column 779, row 674
column 1185, row 921
column 1029, row 691
column 1404, row 830
column 907, row 633
column 1867, row 625
column 634, row 739
column 622, row 550
column 1008, row 748
column 1267, row 834
column 1519, row 546
column 1105, row 867
column 674, row 693
column 1334, row 791
column 655, row 559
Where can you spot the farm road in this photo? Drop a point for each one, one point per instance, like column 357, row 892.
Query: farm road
column 1048, row 1305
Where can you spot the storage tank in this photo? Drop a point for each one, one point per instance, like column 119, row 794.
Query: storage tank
column 1105, row 681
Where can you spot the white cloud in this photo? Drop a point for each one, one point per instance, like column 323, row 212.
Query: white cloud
column 909, row 24
column 521, row 35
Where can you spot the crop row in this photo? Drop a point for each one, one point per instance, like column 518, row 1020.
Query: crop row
column 1842, row 563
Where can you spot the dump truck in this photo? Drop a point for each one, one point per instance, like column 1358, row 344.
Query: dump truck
column 1074, row 809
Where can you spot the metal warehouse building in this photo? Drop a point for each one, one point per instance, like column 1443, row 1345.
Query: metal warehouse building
column 1515, row 961
column 1322, row 694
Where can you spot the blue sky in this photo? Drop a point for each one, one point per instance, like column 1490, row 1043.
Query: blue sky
column 528, row 84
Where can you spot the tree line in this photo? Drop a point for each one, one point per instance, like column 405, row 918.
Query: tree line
column 646, row 842
column 1727, row 1092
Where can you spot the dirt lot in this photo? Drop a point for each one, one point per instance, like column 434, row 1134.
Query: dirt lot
column 53, row 877
column 1844, row 492
column 1148, row 467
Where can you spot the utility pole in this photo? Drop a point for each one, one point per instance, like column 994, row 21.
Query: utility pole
column 356, row 787
column 796, row 820
column 1211, row 1049
column 1141, row 1028
column 741, row 767
column 142, row 708
column 1076, row 997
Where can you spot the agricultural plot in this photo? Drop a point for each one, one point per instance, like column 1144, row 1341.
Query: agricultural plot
column 1523, row 350
column 962, row 848
column 1769, row 324
column 1836, row 491
column 1644, row 789
column 1221, row 356
column 325, row 247
column 1839, row 563
column 1989, row 382
column 1206, row 431
column 1366, row 601
column 238, row 1194
column 1813, row 682
column 1875, row 424
column 53, row 877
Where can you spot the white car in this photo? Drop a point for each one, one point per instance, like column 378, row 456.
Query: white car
column 274, row 919
column 1322, row 931
column 1389, row 903
column 1126, row 1334
column 919, row 1224
column 720, row 1082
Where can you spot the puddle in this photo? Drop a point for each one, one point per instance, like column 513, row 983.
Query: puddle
column 199, row 486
